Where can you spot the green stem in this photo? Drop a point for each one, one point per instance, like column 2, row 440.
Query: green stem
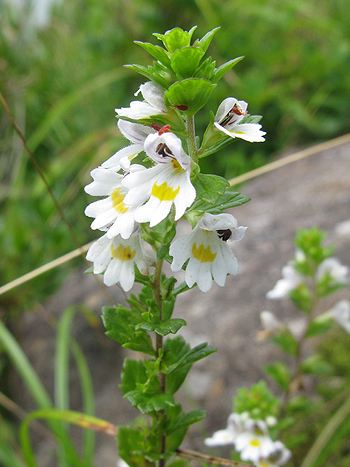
column 159, row 349
column 191, row 137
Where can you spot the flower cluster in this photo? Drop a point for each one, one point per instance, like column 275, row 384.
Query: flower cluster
column 251, row 440
column 330, row 268
column 156, row 188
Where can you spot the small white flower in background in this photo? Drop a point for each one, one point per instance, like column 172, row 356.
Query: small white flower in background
column 228, row 120
column 110, row 213
column 341, row 314
column 153, row 103
column 167, row 183
column 290, row 280
column 116, row 259
column 280, row 455
column 122, row 463
column 136, row 134
column 269, row 322
column 333, row 267
column 207, row 250
column 235, row 426
column 254, row 444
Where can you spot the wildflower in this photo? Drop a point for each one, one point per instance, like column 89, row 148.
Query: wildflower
column 229, row 119
column 136, row 134
column 111, row 212
column 290, row 280
column 254, row 443
column 163, row 185
column 334, row 269
column 116, row 259
column 208, row 251
column 235, row 426
column 153, row 103
column 341, row 314
column 280, row 455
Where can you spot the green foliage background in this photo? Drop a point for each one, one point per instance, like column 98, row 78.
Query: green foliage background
column 63, row 81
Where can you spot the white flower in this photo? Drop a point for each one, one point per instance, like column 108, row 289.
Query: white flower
column 280, row 455
column 122, row 463
column 111, row 212
column 116, row 258
column 332, row 267
column 341, row 314
column 153, row 103
column 254, row 443
column 163, row 185
column 269, row 322
column 207, row 250
column 291, row 279
column 228, row 120
column 136, row 134
column 235, row 425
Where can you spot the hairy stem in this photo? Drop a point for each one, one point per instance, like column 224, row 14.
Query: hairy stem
column 159, row 349
column 191, row 137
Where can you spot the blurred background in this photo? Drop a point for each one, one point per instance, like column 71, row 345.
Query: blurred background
column 62, row 75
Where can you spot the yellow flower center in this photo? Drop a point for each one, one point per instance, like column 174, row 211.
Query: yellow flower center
column 203, row 254
column 264, row 464
column 164, row 192
column 255, row 443
column 118, row 201
column 123, row 253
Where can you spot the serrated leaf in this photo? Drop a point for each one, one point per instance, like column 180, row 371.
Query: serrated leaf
column 208, row 188
column 225, row 67
column 163, row 328
column 197, row 353
column 148, row 403
column 156, row 72
column 176, row 38
column 315, row 365
column 120, row 324
column 191, row 94
column 186, row 419
column 279, row 373
column 175, row 349
column 132, row 445
column 156, row 51
column 227, row 200
column 206, row 69
column 185, row 61
column 205, row 42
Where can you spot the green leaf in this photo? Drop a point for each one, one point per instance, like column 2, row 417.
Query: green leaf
column 286, row 341
column 227, row 200
column 176, row 38
column 206, row 69
column 279, row 372
column 319, row 326
column 163, row 328
column 302, row 298
column 205, row 42
column 208, row 188
column 191, row 94
column 184, row 420
column 257, row 400
column 175, row 349
column 142, row 389
column 121, row 326
column 251, row 119
column 316, row 365
column 225, row 67
column 156, row 72
column 185, row 61
column 197, row 353
column 132, row 445
column 156, row 51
